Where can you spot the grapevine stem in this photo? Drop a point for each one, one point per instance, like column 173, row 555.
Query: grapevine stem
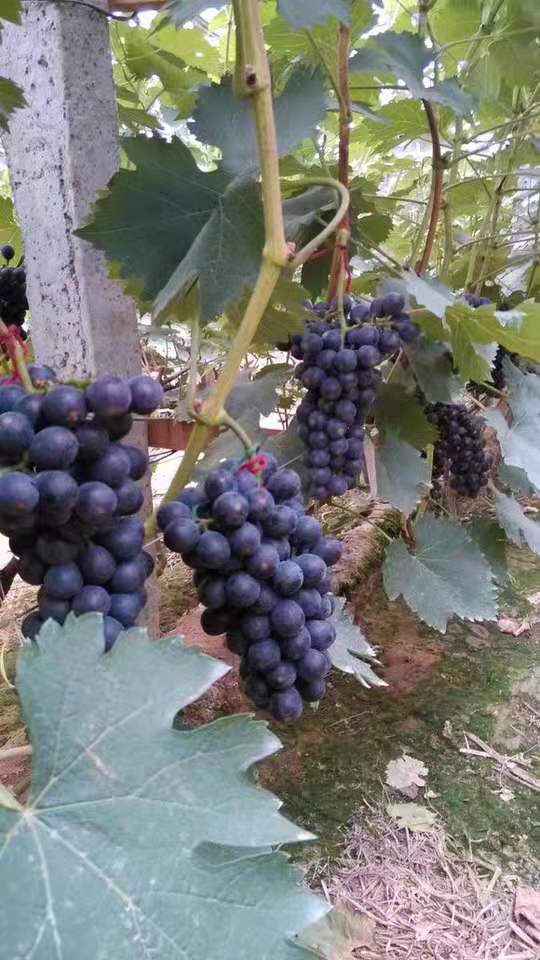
column 436, row 188
column 313, row 245
column 340, row 258
column 252, row 79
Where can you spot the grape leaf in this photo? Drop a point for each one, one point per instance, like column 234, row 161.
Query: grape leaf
column 9, row 228
column 402, row 474
column 226, row 253
column 518, row 527
column 468, row 355
column 148, row 219
column 11, row 98
column 283, row 315
column 11, row 10
column 138, row 839
column 179, row 11
column 302, row 15
column 226, row 121
column 518, row 329
column 404, row 120
column 246, row 403
column 429, row 293
column 351, row 646
column 402, row 415
column 492, row 543
column 517, row 479
column 406, row 55
column 432, row 365
column 447, row 574
column 519, row 441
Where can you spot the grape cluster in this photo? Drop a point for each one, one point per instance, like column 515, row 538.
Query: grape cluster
column 13, row 302
column 460, row 448
column 340, row 376
column 261, row 571
column 69, row 493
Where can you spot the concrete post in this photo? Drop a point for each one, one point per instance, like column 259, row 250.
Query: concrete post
column 62, row 149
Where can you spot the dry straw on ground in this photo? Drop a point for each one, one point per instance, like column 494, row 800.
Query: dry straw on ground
column 427, row 902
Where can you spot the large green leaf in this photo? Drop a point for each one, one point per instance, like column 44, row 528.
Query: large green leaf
column 11, row 98
column 351, row 650
column 402, row 473
column 446, row 575
column 518, row 527
column 433, row 369
column 302, row 15
column 148, row 219
column 518, row 329
column 136, row 839
column 289, row 45
column 225, row 120
column 519, row 441
column 226, row 255
column 404, row 120
column 189, row 45
column 402, row 415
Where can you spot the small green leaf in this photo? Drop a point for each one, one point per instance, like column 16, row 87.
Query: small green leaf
column 402, row 415
column 433, row 369
column 351, row 649
column 226, row 253
column 447, row 574
column 402, row 474
column 226, row 121
column 405, row 120
column 302, row 15
column 518, row 527
column 160, row 835
column 518, row 329
column 11, row 98
column 9, row 228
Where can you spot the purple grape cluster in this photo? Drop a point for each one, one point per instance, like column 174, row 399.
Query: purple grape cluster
column 341, row 378
column 460, row 450
column 69, row 495
column 13, row 302
column 261, row 571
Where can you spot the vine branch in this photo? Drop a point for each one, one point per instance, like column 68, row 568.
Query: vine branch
column 437, row 168
column 340, row 257
column 252, row 80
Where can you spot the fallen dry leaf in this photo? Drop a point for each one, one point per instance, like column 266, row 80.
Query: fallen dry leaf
column 406, row 775
column 534, row 598
column 338, row 934
column 413, row 816
column 506, row 795
column 527, row 911
column 515, row 627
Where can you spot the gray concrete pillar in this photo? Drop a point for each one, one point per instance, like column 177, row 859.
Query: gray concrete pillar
column 62, row 149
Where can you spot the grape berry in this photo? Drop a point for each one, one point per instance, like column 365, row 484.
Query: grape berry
column 68, row 504
column 261, row 570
